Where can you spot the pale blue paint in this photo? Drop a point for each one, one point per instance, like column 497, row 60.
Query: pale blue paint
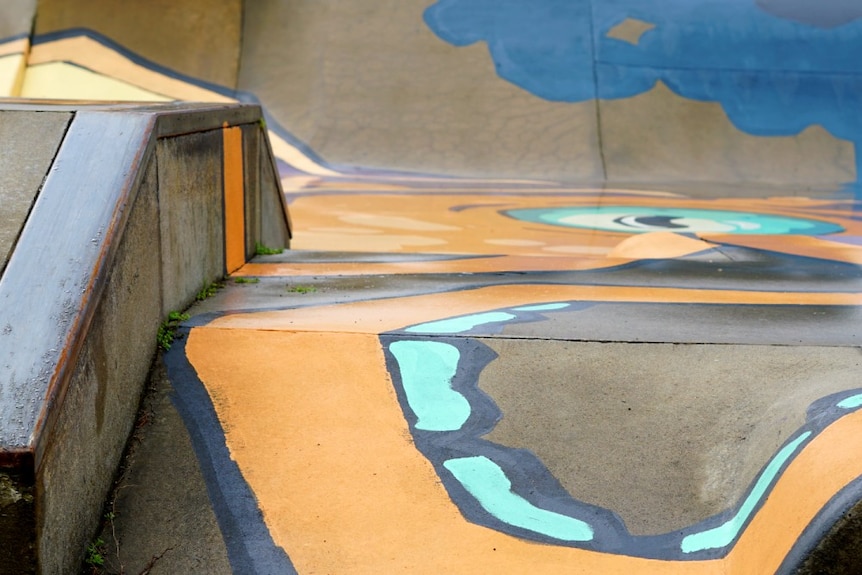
column 542, row 307
column 460, row 324
column 427, row 369
column 485, row 481
column 725, row 533
column 851, row 402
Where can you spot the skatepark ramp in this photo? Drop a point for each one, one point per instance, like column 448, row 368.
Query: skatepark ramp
column 582, row 273
column 111, row 217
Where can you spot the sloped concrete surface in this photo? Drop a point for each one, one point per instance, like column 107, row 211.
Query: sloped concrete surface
column 24, row 166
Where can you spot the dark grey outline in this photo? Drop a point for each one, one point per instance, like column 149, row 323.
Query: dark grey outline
column 251, row 549
column 535, row 483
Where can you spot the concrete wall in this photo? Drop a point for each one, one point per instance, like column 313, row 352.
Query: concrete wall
column 157, row 238
column 96, row 417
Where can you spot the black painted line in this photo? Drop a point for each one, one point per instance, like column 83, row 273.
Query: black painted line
column 251, row 549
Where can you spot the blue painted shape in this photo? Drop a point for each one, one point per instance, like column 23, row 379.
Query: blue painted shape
column 638, row 219
column 775, row 66
column 851, row 402
column 823, row 14
column 486, row 482
column 542, row 307
column 725, row 533
column 461, row 324
column 427, row 369
column 544, row 46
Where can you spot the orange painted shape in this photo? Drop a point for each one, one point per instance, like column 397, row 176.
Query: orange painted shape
column 475, row 223
column 234, row 200
column 658, row 245
column 317, row 432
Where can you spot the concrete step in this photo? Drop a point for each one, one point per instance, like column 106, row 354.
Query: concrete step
column 112, row 217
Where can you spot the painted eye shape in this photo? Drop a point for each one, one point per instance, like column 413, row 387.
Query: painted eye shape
column 640, row 219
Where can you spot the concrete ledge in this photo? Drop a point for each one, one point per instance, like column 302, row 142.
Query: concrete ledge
column 129, row 224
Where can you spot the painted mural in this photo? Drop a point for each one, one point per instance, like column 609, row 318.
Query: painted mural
column 355, row 423
column 724, row 52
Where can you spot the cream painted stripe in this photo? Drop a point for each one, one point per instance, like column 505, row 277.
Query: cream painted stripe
column 296, row 158
column 11, row 75
column 94, row 56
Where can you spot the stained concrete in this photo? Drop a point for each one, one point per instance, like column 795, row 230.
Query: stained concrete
column 684, row 140
column 23, row 166
column 699, row 323
column 191, row 224
column 160, row 503
column 273, row 230
column 16, row 17
column 657, row 432
column 357, row 101
column 200, row 39
column 840, row 551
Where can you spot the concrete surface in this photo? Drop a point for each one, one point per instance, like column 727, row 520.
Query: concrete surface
column 23, row 168
column 338, row 72
column 95, row 416
column 200, row 39
column 684, row 447
column 185, row 163
column 16, row 18
column 178, row 523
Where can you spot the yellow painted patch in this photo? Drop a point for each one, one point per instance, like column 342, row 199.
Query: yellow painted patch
column 630, row 30
column 118, row 73
column 60, row 80
column 11, row 74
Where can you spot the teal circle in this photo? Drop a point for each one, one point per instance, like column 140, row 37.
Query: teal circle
column 642, row 219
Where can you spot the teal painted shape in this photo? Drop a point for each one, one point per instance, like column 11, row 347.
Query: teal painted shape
column 542, row 307
column 851, row 402
column 485, row 481
column 725, row 533
column 641, row 219
column 460, row 324
column 427, row 369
